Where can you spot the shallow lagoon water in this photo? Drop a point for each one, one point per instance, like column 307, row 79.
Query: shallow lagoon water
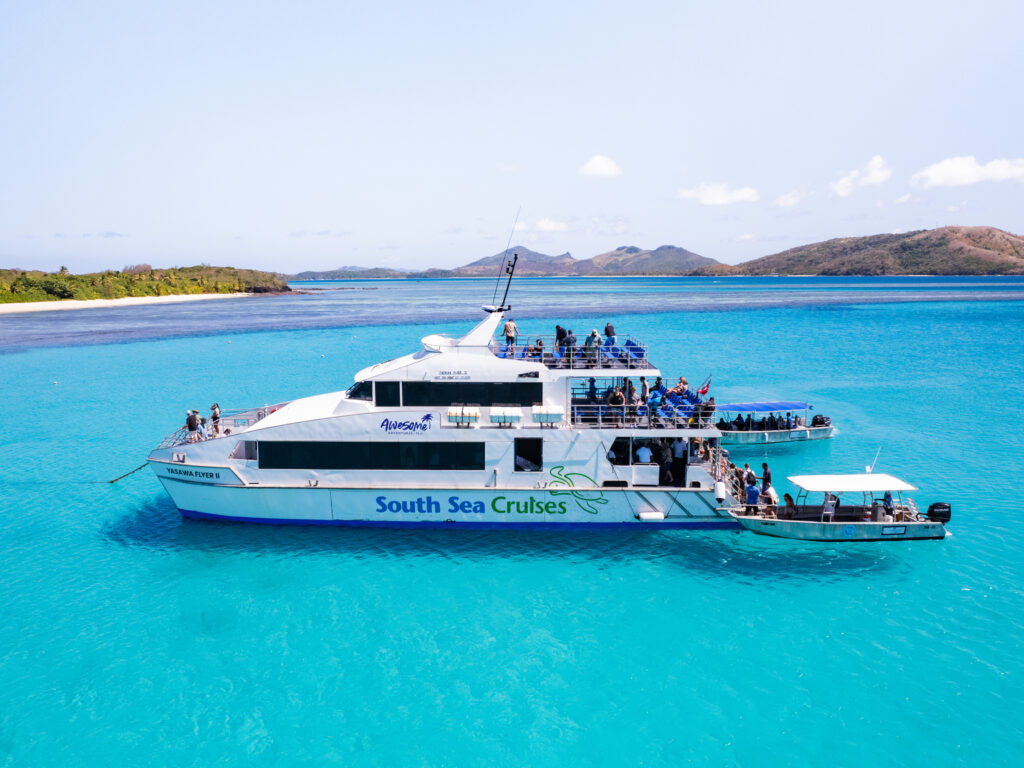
column 130, row 636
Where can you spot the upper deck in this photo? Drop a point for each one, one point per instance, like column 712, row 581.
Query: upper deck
column 630, row 354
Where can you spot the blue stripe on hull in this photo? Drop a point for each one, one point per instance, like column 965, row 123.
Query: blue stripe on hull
column 682, row 524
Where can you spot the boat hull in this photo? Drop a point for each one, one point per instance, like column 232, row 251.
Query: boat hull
column 817, row 531
column 767, row 437
column 549, row 507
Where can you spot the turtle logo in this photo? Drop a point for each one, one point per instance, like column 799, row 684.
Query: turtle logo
column 586, row 499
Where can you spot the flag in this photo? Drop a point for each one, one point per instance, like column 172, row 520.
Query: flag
column 704, row 390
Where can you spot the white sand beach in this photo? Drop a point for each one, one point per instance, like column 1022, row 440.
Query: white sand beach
column 52, row 306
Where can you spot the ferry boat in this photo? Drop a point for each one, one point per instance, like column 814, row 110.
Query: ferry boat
column 879, row 515
column 785, row 421
column 463, row 432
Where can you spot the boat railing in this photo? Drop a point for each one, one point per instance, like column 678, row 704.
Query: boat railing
column 638, row 415
column 626, row 353
column 231, row 422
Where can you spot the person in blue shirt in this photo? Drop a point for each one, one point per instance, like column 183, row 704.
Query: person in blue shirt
column 753, row 495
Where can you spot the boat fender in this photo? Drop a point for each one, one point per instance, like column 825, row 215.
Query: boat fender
column 720, row 491
column 939, row 512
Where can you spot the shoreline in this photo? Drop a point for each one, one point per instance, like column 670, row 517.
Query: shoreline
column 127, row 301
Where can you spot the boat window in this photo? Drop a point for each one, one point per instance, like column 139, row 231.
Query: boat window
column 245, row 450
column 486, row 393
column 620, row 451
column 529, row 454
column 387, row 393
column 280, row 454
column 361, row 390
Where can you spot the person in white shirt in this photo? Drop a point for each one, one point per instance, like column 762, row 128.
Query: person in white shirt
column 643, row 454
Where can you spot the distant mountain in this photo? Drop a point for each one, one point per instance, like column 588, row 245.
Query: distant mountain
column 625, row 260
column 665, row 260
column 530, row 264
column 943, row 251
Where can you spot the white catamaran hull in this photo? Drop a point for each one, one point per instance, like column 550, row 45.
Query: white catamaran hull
column 811, row 531
column 200, row 496
column 763, row 437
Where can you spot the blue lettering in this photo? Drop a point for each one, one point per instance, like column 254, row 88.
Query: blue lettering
column 453, row 503
column 382, row 504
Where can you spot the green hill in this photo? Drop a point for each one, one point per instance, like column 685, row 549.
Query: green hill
column 17, row 285
column 943, row 251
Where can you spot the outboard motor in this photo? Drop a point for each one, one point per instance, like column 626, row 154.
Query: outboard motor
column 939, row 512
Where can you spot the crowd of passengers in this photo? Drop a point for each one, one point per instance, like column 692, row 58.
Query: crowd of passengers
column 770, row 422
column 200, row 428
column 566, row 344
column 671, row 456
column 646, row 401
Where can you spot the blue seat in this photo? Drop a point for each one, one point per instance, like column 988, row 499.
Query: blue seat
column 504, row 353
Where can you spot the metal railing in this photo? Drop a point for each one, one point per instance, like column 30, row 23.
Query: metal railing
column 626, row 353
column 639, row 416
column 231, row 422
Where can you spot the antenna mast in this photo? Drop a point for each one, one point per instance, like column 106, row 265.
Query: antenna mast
column 510, row 269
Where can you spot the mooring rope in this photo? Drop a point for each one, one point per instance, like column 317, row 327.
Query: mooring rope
column 129, row 473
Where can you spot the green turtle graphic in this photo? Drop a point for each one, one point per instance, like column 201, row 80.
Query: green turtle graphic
column 586, row 499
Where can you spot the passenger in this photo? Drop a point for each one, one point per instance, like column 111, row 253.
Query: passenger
column 511, row 331
column 789, row 421
column 828, row 509
column 887, row 503
column 616, row 403
column 590, row 346
column 666, row 475
column 645, row 390
column 537, row 350
column 192, row 425
column 790, row 511
column 643, row 454
column 592, row 390
column 769, row 505
column 679, row 458
column 204, row 433
column 748, row 475
column 570, row 346
column 215, row 418
column 766, row 478
column 630, row 392
column 746, row 423
column 709, row 410
column 658, row 386
column 609, row 333
column 753, row 496
column 559, row 337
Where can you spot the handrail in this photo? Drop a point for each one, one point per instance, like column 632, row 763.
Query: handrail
column 231, row 422
column 627, row 352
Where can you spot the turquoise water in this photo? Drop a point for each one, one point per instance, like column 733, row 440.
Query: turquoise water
column 132, row 637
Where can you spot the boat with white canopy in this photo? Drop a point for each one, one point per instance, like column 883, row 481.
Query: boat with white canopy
column 880, row 514
column 781, row 421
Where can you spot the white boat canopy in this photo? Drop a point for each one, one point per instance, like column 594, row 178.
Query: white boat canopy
column 866, row 483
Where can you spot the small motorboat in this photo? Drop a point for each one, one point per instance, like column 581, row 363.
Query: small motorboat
column 786, row 421
column 881, row 515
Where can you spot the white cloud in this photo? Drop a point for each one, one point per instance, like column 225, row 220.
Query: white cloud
column 599, row 165
column 874, row 173
column 787, row 200
column 960, row 171
column 902, row 199
column 551, row 225
column 745, row 238
column 520, row 226
column 719, row 194
column 959, row 207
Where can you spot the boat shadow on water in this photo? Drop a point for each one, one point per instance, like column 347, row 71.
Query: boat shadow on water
column 735, row 555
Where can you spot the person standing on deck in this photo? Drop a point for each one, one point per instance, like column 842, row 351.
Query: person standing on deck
column 766, row 478
column 753, row 496
column 511, row 331
column 192, row 425
column 560, row 335
column 645, row 390
column 215, row 418
column 590, row 347
column 609, row 333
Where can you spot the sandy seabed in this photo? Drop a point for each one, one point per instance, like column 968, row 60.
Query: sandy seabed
column 52, row 306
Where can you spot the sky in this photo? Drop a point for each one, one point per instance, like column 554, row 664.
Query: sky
column 314, row 135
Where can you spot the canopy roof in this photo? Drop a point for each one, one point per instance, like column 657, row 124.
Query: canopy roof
column 782, row 405
column 866, row 483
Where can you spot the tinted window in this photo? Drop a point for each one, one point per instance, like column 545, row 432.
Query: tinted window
column 431, row 393
column 387, row 393
column 361, row 390
column 529, row 454
column 369, row 455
